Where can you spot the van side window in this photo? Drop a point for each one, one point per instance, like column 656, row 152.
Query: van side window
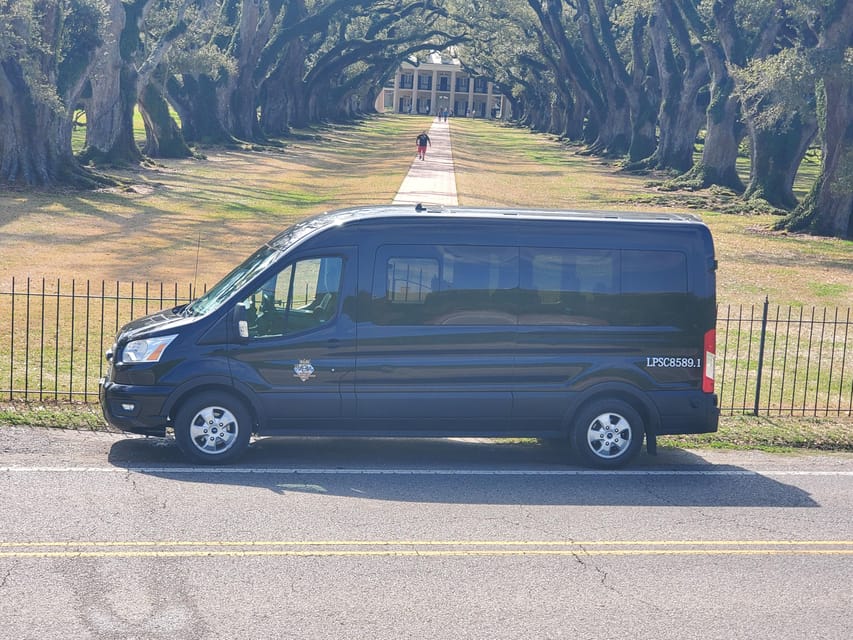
column 654, row 272
column 445, row 285
column 568, row 286
column 410, row 280
column 301, row 296
column 654, row 287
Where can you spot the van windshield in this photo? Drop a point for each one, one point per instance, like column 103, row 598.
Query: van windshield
column 233, row 282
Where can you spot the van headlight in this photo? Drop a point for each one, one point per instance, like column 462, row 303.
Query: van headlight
column 146, row 350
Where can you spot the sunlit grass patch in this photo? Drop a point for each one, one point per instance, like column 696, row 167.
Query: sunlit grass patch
column 85, row 417
column 772, row 434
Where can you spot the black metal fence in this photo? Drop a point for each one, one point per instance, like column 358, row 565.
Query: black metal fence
column 792, row 361
column 770, row 360
column 53, row 335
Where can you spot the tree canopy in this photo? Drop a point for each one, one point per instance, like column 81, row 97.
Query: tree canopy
column 636, row 80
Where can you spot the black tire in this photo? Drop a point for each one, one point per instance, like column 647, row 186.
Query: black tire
column 607, row 433
column 213, row 428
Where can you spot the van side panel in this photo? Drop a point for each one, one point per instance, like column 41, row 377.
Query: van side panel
column 591, row 303
column 436, row 341
column 438, row 379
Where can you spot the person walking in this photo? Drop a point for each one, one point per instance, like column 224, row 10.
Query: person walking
column 423, row 140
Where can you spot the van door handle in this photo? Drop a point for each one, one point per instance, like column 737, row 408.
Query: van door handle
column 333, row 343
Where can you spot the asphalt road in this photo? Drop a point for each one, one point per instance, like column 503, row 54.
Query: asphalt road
column 106, row 536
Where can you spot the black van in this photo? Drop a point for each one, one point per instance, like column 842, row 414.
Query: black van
column 401, row 321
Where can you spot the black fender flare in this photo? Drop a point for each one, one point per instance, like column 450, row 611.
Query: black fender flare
column 629, row 393
column 203, row 383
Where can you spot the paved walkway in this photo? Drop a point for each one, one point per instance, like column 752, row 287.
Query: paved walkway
column 431, row 181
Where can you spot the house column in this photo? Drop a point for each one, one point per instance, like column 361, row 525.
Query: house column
column 433, row 96
column 414, row 108
column 470, row 110
column 395, row 102
column 489, row 100
column 452, row 105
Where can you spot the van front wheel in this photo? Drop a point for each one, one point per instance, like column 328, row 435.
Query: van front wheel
column 213, row 428
column 607, row 433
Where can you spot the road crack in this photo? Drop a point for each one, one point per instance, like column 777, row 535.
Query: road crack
column 6, row 577
column 608, row 584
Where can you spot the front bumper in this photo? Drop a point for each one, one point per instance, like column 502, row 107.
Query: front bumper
column 134, row 408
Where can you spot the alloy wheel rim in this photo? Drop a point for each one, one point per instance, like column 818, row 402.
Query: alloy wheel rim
column 609, row 435
column 213, row 430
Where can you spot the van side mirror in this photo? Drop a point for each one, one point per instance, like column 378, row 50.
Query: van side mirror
column 241, row 322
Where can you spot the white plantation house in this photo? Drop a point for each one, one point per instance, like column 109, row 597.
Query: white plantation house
column 430, row 88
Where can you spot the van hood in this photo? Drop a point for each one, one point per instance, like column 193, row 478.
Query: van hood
column 160, row 322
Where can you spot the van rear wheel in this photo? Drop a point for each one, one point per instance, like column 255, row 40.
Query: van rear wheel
column 213, row 428
column 607, row 433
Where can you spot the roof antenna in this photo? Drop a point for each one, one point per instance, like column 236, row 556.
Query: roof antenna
column 420, row 208
column 193, row 293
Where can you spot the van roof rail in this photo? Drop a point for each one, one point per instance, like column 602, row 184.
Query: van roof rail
column 434, row 208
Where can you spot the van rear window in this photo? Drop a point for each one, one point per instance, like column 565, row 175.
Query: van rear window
column 654, row 272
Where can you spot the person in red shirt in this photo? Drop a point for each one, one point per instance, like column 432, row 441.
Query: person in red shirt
column 423, row 140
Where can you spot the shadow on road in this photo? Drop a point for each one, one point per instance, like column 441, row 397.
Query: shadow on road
column 465, row 472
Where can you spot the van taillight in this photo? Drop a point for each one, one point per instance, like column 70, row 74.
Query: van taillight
column 710, row 358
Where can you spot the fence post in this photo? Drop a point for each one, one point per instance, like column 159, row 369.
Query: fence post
column 761, row 355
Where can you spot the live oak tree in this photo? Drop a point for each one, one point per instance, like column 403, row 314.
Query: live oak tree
column 682, row 78
column 46, row 51
column 828, row 208
column 751, row 32
column 723, row 130
column 180, row 38
column 611, row 125
column 619, row 50
column 139, row 34
column 322, row 66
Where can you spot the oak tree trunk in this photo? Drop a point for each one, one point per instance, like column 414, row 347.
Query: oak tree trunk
column 196, row 99
column 110, row 106
column 29, row 130
column 283, row 90
column 163, row 138
column 35, row 125
column 828, row 208
column 718, row 165
column 776, row 157
column 683, row 75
